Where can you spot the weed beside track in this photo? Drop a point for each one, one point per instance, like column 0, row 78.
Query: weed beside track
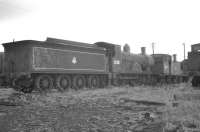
column 116, row 109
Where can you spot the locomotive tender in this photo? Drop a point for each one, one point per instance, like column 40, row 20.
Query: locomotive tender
column 64, row 64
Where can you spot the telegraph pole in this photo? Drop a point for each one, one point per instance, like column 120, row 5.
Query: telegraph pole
column 184, row 50
column 153, row 44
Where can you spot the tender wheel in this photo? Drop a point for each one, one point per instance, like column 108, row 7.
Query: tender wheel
column 63, row 82
column 43, row 82
column 79, row 82
column 23, row 84
column 93, row 82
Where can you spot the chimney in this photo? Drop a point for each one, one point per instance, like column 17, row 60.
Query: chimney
column 174, row 58
column 143, row 50
column 126, row 48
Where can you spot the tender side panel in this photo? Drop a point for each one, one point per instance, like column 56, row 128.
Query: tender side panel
column 48, row 59
column 17, row 59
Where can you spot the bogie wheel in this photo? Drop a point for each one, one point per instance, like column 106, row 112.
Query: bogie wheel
column 63, row 82
column 93, row 81
column 79, row 82
column 43, row 82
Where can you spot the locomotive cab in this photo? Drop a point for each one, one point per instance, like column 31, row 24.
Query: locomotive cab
column 113, row 53
column 162, row 64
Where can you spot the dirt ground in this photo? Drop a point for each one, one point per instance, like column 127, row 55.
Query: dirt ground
column 168, row 108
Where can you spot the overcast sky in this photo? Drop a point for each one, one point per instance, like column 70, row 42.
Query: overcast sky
column 167, row 23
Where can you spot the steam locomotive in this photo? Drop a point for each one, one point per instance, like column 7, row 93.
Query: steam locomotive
column 55, row 63
column 191, row 66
